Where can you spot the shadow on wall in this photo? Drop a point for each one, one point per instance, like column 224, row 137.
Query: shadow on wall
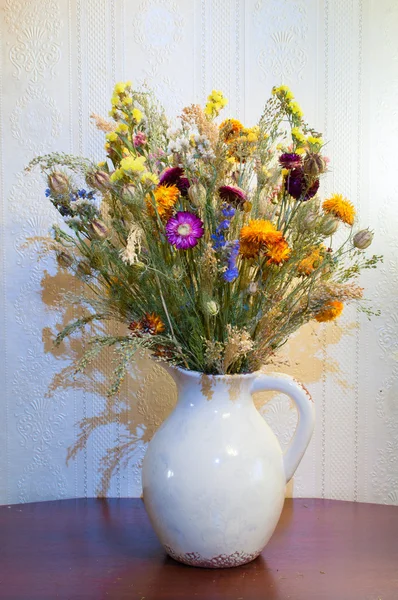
column 148, row 394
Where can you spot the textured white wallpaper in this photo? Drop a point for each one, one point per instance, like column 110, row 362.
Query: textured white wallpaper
column 59, row 59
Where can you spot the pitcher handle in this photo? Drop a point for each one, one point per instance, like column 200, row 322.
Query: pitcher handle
column 279, row 382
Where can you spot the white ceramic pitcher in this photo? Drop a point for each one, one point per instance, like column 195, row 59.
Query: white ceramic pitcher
column 214, row 475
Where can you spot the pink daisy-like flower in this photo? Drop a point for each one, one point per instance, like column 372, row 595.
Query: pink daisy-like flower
column 184, row 230
column 233, row 195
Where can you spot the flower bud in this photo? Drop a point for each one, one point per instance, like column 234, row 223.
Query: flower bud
column 362, row 239
column 83, row 268
column 58, row 183
column 310, row 221
column 99, row 228
column 212, row 308
column 253, row 288
column 64, row 259
column 197, row 194
column 329, row 226
column 99, row 180
column 314, row 164
column 128, row 192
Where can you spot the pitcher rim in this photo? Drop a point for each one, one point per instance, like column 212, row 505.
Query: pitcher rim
column 198, row 374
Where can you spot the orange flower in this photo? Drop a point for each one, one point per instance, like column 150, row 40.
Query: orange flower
column 312, row 261
column 340, row 207
column 149, row 323
column 152, row 324
column 258, row 234
column 166, row 197
column 330, row 311
column 278, row 253
column 231, row 128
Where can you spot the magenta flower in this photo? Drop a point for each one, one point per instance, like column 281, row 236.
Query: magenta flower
column 290, row 160
column 184, row 230
column 232, row 195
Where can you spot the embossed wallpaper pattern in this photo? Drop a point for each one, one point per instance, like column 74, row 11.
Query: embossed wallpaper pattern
column 60, row 437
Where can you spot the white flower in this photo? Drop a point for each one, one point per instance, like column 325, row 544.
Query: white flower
column 130, row 254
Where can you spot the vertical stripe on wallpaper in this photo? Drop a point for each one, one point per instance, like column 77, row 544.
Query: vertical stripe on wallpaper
column 323, row 333
column 4, row 410
column 72, row 151
column 79, row 116
column 340, row 413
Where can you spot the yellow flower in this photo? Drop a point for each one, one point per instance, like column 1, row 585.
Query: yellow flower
column 285, row 172
column 116, row 175
column 166, row 197
column 101, row 164
column 300, row 150
column 298, row 135
column 122, row 128
column 295, row 108
column 341, row 208
column 315, row 141
column 330, row 310
column 125, row 152
column 131, row 164
column 148, row 177
column 257, row 234
column 215, row 102
column 112, row 136
column 127, row 101
column 115, row 100
column 137, row 115
column 119, row 88
column 282, row 91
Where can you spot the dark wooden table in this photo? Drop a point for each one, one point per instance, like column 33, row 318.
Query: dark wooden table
column 106, row 549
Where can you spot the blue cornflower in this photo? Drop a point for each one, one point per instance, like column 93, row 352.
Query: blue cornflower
column 231, row 274
column 232, row 251
column 47, row 192
column 81, row 193
column 228, row 211
column 223, row 225
column 219, row 240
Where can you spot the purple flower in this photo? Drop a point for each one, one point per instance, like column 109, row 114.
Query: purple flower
column 290, row 160
column 174, row 176
column 184, row 230
column 296, row 185
column 232, row 195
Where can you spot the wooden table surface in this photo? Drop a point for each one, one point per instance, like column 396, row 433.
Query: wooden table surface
column 106, row 549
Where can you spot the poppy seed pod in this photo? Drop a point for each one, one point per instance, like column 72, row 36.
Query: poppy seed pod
column 99, row 180
column 100, row 229
column 64, row 259
column 314, row 165
column 212, row 308
column 197, row 194
column 362, row 239
column 329, row 226
column 58, row 183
